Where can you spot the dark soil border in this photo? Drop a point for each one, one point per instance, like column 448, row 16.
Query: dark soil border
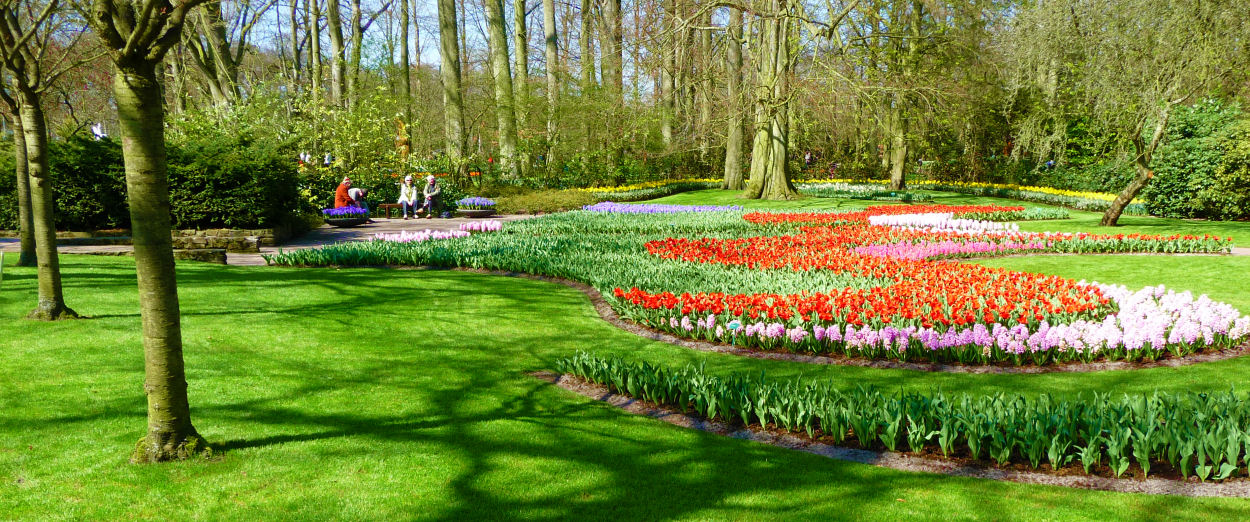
column 608, row 314
column 1236, row 488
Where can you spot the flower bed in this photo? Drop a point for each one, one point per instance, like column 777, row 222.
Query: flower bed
column 837, row 283
column 419, row 236
column 618, row 208
column 344, row 213
column 476, row 203
column 482, row 226
column 1189, row 434
column 929, row 309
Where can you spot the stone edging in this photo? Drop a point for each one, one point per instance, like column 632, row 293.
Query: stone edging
column 1239, row 488
column 608, row 314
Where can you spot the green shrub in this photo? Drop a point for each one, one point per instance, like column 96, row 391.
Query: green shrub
column 231, row 182
column 1200, row 172
column 545, row 201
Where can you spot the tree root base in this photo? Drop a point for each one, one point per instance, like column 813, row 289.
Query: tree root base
column 52, row 313
column 151, row 450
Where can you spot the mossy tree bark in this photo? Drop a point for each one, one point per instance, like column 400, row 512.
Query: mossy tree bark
column 136, row 87
column 51, row 304
column 733, row 138
column 453, row 100
column 26, row 223
column 551, row 50
column 504, row 101
column 770, row 149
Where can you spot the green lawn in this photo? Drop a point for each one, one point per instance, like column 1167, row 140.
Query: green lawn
column 393, row 394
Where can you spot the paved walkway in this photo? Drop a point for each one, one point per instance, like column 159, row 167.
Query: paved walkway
column 321, row 236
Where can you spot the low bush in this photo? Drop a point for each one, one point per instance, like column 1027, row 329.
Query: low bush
column 1193, row 434
column 545, row 201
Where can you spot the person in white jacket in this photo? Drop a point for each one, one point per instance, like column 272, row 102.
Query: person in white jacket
column 409, row 197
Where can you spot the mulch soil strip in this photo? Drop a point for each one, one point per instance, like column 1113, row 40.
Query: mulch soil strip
column 1071, row 476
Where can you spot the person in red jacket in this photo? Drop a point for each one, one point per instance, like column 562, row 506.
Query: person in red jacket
column 341, row 197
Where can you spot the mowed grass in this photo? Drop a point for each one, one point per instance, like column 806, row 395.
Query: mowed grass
column 402, row 394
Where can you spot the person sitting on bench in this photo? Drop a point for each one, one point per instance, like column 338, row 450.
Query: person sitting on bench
column 408, row 197
column 431, row 192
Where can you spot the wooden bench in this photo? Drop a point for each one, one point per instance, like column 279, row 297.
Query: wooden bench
column 388, row 207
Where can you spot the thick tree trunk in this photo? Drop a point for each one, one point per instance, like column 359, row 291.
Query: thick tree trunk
column 453, row 101
column 504, row 102
column 551, row 50
column 1141, row 163
column 521, row 81
column 770, row 149
column 338, row 69
column 26, row 224
column 613, row 71
column 170, row 432
column 898, row 150
column 51, row 304
column 705, row 87
column 733, row 143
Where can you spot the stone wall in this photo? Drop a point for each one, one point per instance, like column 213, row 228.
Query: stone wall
column 230, row 240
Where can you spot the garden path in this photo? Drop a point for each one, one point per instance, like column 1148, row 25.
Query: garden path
column 323, row 235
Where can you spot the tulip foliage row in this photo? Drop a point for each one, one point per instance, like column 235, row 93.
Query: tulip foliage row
column 1206, row 435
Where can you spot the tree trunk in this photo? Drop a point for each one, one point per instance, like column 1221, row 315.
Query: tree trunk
column 314, row 47
column 898, row 149
column 504, row 102
column 521, row 81
column 612, row 69
column 705, row 87
column 338, row 70
column 170, row 432
column 26, row 223
column 405, row 64
column 295, row 47
column 1141, row 163
column 667, row 84
column 453, row 101
column 51, row 304
column 733, row 143
column 358, row 41
column 587, row 61
column 551, row 50
column 769, row 176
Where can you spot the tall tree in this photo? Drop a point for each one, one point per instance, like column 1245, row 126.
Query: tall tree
column 137, row 35
column 521, row 81
column 405, row 64
column 504, row 101
column 27, row 34
column 668, row 47
column 1132, row 62
column 551, row 50
column 217, row 45
column 453, row 98
column 733, row 84
column 26, row 225
column 338, row 65
column 586, row 58
column 770, row 178
column 314, row 48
